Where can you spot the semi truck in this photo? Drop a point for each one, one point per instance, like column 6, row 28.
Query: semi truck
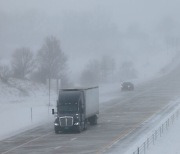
column 76, row 107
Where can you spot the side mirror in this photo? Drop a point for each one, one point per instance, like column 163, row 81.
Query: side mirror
column 52, row 111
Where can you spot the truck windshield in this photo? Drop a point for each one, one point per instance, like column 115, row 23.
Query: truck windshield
column 68, row 101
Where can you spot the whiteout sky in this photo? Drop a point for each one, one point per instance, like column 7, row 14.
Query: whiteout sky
column 87, row 29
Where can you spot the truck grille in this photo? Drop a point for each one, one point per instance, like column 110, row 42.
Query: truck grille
column 66, row 121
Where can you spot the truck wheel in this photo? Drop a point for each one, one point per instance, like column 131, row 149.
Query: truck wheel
column 93, row 120
column 56, row 130
column 85, row 125
column 79, row 128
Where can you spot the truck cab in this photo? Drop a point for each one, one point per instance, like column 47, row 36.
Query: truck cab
column 72, row 110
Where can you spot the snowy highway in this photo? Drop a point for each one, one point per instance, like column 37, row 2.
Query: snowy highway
column 119, row 119
column 54, row 57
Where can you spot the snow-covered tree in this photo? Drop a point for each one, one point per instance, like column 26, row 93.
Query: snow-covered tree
column 22, row 62
column 90, row 75
column 107, row 68
column 127, row 71
column 97, row 71
column 5, row 73
column 51, row 60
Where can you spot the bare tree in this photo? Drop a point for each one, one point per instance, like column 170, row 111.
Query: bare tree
column 52, row 61
column 22, row 62
column 107, row 68
column 5, row 73
column 90, row 75
column 98, row 71
column 127, row 71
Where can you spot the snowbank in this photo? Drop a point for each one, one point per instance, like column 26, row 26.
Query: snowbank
column 24, row 105
column 156, row 133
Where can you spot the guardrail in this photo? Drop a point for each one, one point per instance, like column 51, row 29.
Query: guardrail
column 157, row 133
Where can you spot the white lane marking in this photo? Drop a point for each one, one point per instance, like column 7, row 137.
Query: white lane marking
column 25, row 143
column 58, row 147
column 8, row 141
column 61, row 146
column 73, row 139
column 115, row 141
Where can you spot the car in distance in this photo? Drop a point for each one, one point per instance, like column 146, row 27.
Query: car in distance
column 127, row 86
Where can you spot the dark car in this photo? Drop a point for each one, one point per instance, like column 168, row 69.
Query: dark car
column 127, row 86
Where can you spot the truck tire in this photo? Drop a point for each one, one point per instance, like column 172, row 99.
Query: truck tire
column 93, row 120
column 79, row 129
column 56, row 130
column 85, row 125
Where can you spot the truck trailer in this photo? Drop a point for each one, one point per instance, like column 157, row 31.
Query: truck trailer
column 75, row 108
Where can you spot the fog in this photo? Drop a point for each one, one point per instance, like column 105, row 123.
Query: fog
column 104, row 42
column 143, row 32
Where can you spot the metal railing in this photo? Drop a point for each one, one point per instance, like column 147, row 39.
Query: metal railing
column 157, row 133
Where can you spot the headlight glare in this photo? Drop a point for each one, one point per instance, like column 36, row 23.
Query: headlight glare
column 76, row 124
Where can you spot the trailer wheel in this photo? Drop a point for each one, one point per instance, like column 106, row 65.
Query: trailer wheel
column 93, row 120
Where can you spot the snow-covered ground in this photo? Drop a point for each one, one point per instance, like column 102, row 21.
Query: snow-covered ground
column 160, row 133
column 24, row 105
column 168, row 143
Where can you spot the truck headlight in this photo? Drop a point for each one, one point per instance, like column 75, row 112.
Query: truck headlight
column 56, row 124
column 76, row 124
